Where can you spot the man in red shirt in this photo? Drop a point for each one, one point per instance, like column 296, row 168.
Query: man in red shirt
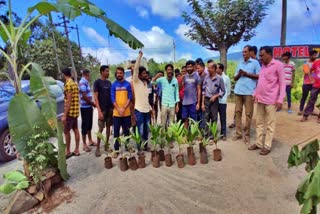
column 315, row 74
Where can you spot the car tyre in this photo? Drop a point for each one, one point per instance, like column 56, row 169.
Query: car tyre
column 7, row 149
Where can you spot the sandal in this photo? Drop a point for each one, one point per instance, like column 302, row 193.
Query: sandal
column 92, row 144
column 76, row 154
column 69, row 155
column 86, row 149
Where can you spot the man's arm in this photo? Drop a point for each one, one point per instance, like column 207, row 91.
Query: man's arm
column 238, row 74
column 86, row 98
column 135, row 76
column 155, row 80
column 222, row 88
column 198, row 97
column 282, row 86
column 228, row 86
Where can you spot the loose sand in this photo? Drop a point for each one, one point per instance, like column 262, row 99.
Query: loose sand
column 243, row 182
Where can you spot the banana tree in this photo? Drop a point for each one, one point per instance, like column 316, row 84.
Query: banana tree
column 21, row 105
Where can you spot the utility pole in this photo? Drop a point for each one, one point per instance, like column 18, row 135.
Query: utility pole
column 55, row 47
column 284, row 23
column 174, row 52
column 80, row 54
column 69, row 48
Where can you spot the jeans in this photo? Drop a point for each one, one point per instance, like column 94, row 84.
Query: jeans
column 222, row 109
column 288, row 91
column 125, row 123
column 312, row 101
column 143, row 121
column 200, row 117
column 179, row 114
column 306, row 89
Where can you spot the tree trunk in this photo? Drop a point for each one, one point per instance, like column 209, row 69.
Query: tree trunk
column 223, row 57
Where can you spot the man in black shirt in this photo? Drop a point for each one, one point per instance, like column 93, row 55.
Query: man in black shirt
column 102, row 96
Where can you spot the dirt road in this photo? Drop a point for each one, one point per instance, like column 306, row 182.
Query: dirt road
column 243, row 182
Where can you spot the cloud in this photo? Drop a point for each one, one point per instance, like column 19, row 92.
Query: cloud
column 142, row 12
column 105, row 55
column 157, row 43
column 181, row 30
column 186, row 56
column 166, row 9
column 95, row 36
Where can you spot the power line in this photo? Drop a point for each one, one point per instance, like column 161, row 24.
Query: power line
column 314, row 27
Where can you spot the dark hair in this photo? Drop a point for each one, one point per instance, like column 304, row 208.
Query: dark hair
column 221, row 66
column 85, row 71
column 177, row 71
column 254, row 49
column 120, row 69
column 66, row 72
column 183, row 67
column 190, row 62
column 103, row 67
column 142, row 69
column 313, row 52
column 287, row 54
column 168, row 65
column 247, row 46
column 199, row 61
column 161, row 72
column 209, row 61
column 267, row 49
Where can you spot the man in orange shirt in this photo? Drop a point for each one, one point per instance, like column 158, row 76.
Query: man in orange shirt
column 307, row 79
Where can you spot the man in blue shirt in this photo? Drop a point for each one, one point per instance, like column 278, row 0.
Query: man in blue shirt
column 246, row 77
column 170, row 95
column 192, row 93
column 86, row 109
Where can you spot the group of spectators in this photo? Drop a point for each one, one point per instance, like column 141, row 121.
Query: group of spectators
column 199, row 92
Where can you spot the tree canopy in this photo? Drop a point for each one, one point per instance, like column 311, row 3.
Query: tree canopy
column 218, row 25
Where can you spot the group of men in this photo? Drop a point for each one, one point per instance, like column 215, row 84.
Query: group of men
column 198, row 92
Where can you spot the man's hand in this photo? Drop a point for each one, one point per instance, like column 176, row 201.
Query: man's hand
column 278, row 106
column 121, row 111
column 213, row 98
column 63, row 120
column 197, row 106
column 100, row 115
column 203, row 107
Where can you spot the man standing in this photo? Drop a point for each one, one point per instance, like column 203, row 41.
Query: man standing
column 269, row 96
column 213, row 89
column 71, row 112
column 246, row 76
column 179, row 79
column 102, row 97
column 170, row 95
column 202, row 74
column 192, row 92
column 86, row 109
column 307, row 80
column 289, row 70
column 315, row 71
column 121, row 94
column 223, row 101
column 142, row 107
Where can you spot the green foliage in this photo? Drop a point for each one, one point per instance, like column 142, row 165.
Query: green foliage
column 13, row 181
column 308, row 192
column 155, row 135
column 135, row 136
column 41, row 154
column 213, row 127
column 103, row 138
column 193, row 131
column 123, row 140
column 177, row 129
column 208, row 21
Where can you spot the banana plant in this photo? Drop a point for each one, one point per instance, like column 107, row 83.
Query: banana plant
column 21, row 107
column 193, row 133
column 177, row 129
column 123, row 140
column 213, row 127
column 155, row 135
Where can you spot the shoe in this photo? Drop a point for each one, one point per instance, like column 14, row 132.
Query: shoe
column 246, row 140
column 231, row 126
column 115, row 154
column 97, row 153
column 290, row 111
column 264, row 151
column 235, row 138
column 253, row 147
